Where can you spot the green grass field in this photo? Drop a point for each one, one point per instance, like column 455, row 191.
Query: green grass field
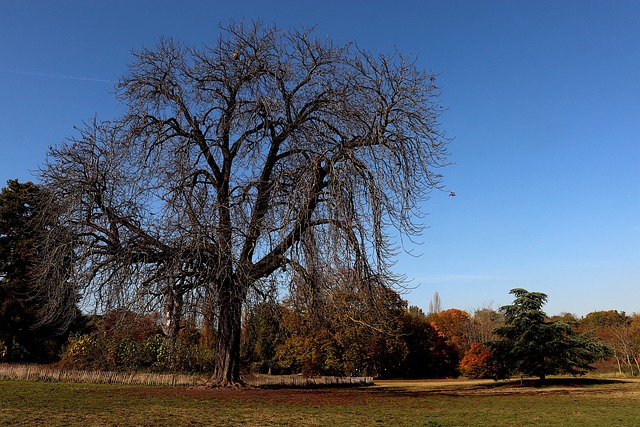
column 394, row 403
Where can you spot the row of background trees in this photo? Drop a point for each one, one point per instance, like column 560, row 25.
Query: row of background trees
column 344, row 334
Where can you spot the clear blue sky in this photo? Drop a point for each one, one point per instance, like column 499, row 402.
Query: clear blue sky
column 543, row 101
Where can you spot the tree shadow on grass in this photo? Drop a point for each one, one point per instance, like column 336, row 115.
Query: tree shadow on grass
column 563, row 382
column 563, row 385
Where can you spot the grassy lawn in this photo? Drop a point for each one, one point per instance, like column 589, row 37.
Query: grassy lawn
column 414, row 403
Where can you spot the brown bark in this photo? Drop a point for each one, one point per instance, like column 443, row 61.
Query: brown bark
column 227, row 369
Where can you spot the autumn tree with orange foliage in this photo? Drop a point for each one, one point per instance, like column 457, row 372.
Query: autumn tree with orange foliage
column 454, row 326
column 477, row 362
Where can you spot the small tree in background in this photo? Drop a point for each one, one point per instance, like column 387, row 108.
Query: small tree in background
column 483, row 322
column 477, row 362
column 530, row 345
column 435, row 305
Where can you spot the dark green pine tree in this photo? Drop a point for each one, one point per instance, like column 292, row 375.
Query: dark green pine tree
column 530, row 345
column 22, row 338
column 16, row 255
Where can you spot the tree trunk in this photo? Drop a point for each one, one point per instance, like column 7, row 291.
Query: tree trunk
column 6, row 352
column 618, row 362
column 173, row 303
column 227, row 368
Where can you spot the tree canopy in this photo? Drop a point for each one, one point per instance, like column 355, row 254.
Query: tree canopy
column 531, row 345
column 269, row 154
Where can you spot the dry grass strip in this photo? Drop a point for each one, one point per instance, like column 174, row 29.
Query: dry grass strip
column 51, row 374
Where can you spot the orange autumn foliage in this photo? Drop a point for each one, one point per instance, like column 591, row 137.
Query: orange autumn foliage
column 453, row 325
column 477, row 362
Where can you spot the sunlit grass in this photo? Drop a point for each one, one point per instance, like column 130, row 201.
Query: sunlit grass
column 428, row 403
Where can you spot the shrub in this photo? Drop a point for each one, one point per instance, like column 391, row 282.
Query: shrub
column 100, row 351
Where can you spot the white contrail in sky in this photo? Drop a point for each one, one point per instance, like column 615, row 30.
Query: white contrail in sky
column 58, row 76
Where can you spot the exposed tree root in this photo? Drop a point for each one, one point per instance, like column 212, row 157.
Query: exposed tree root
column 237, row 385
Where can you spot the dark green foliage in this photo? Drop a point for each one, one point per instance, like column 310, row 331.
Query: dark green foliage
column 532, row 346
column 22, row 336
column 262, row 333
column 16, row 253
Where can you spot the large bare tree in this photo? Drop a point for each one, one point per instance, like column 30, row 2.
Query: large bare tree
column 268, row 151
